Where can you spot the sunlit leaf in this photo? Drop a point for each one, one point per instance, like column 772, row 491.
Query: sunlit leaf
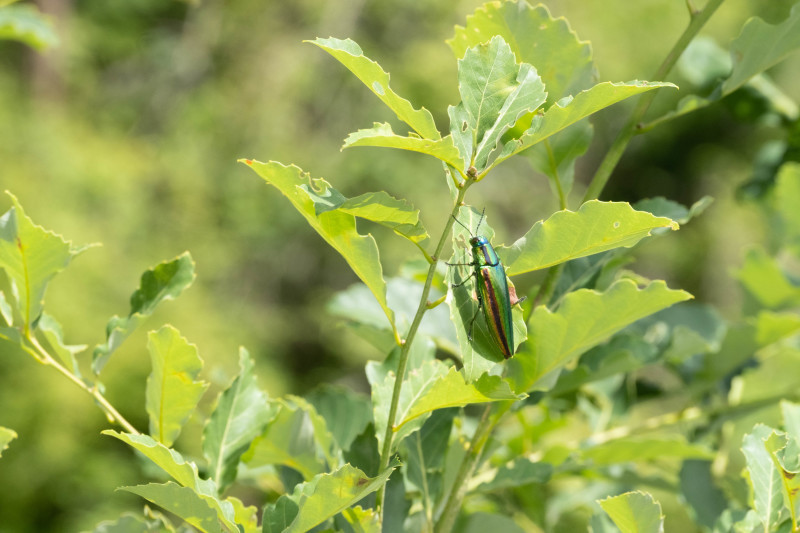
column 319, row 499
column 52, row 332
column 27, row 24
column 181, row 501
column 30, row 256
column 173, row 390
column 182, row 471
column 634, row 512
column 6, row 436
column 379, row 207
column 562, row 60
column 772, row 327
column 336, row 227
column 241, row 413
column 130, row 523
column 362, row 520
column 584, row 319
column 596, row 227
column 764, row 478
column 349, row 54
column 495, row 92
column 791, row 419
column 785, row 453
column 569, row 111
column 381, row 135
column 247, row 517
column 636, row 448
column 166, row 281
column 297, row 437
column 787, row 197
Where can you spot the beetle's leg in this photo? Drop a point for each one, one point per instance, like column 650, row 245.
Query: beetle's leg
column 463, row 281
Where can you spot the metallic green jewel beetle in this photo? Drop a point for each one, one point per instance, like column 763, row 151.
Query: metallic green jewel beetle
column 493, row 294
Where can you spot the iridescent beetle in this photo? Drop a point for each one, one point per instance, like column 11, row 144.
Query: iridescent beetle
column 492, row 291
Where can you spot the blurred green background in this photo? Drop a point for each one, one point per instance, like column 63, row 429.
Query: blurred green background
column 127, row 134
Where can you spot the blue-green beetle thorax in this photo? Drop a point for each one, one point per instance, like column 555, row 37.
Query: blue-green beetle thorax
column 482, row 252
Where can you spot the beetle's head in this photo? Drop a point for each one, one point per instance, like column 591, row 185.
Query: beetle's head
column 480, row 240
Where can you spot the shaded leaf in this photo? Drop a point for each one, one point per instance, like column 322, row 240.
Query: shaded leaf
column 30, row 256
column 381, row 135
column 519, row 472
column 321, row 498
column 634, row 512
column 662, row 207
column 424, row 453
column 27, row 24
column 481, row 522
column 699, row 488
column 480, row 353
column 584, row 319
column 555, row 156
column 296, row 437
column 6, row 436
column 349, row 54
column 181, row 501
column 568, row 111
column 772, row 327
column 764, row 478
column 336, row 227
column 785, row 453
column 791, row 419
column 596, row 227
column 241, row 413
column 787, row 198
column 130, row 523
column 173, row 390
column 166, row 281
column 763, row 278
column 562, row 60
column 346, row 413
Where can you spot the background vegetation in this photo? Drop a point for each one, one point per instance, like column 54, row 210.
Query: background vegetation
column 127, row 132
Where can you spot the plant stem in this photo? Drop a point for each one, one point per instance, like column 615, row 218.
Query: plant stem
column 631, row 127
column 44, row 357
column 386, row 451
column 482, row 432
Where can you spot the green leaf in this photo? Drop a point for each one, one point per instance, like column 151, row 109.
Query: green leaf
column 6, row 436
column 166, row 281
column 774, row 378
column 649, row 448
column 346, row 413
column 584, row 319
column 381, row 135
column 130, row 523
column 772, row 327
column 241, row 413
column 791, row 419
column 634, row 512
column 480, row 353
column 321, row 498
column 247, row 517
column 761, row 46
column 570, row 110
column 30, row 256
column 596, row 227
column 424, row 453
column 182, row 471
column 336, row 227
column 26, row 24
column 555, row 156
column 349, row 54
column 692, row 328
column 763, row 278
column 764, row 478
column 662, row 207
column 495, row 92
column 785, row 453
column 173, row 390
column 362, row 520
column 519, row 472
column 481, row 522
column 297, row 437
column 562, row 60
column 51, row 329
column 183, row 502
column 396, row 214
column 787, row 197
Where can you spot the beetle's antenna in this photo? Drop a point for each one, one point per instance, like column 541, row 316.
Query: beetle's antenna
column 481, row 220
column 463, row 226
